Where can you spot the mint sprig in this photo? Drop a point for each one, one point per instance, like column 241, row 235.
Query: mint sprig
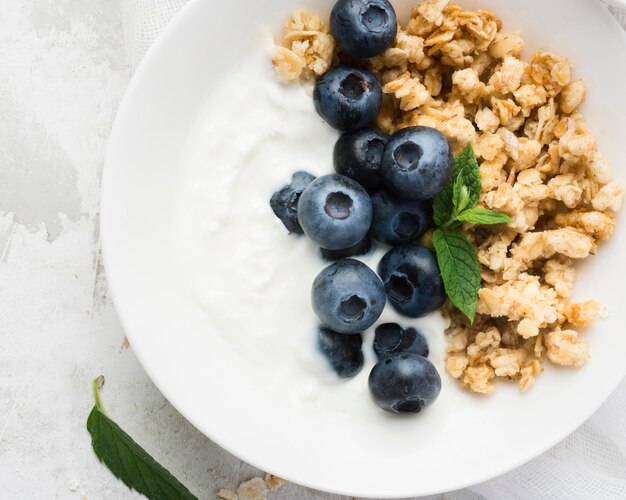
column 464, row 185
column 456, row 256
column 127, row 460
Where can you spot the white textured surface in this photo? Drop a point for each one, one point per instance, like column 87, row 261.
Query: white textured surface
column 64, row 67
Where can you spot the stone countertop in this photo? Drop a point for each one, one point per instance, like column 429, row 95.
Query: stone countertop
column 63, row 73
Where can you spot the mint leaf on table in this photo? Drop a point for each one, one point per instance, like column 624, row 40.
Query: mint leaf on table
column 466, row 173
column 459, row 269
column 127, row 460
column 483, row 216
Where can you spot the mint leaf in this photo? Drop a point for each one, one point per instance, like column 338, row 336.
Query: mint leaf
column 460, row 195
column 127, row 460
column 459, row 269
column 467, row 173
column 483, row 216
column 468, row 165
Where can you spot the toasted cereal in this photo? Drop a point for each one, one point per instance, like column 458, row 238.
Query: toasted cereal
column 307, row 49
column 254, row 489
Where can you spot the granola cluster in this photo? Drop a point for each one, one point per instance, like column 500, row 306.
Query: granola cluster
column 308, row 48
column 254, row 489
column 458, row 72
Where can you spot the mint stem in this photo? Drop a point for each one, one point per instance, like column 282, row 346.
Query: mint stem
column 451, row 221
column 97, row 384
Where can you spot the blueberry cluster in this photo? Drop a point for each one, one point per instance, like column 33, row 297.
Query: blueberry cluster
column 381, row 192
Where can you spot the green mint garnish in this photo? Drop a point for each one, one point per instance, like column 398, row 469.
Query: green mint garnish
column 459, row 268
column 466, row 174
column 460, row 195
column 483, row 216
column 457, row 258
column 127, row 460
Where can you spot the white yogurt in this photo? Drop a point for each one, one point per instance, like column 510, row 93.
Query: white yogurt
column 251, row 278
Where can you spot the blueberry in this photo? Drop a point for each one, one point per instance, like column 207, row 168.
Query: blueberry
column 343, row 351
column 406, row 383
column 417, row 162
column 359, row 154
column 363, row 28
column 397, row 220
column 391, row 339
column 348, row 297
column 361, row 248
column 335, row 212
column 284, row 203
column 348, row 97
column 412, row 280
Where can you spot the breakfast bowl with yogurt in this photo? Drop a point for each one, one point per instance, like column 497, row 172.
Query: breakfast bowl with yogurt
column 363, row 231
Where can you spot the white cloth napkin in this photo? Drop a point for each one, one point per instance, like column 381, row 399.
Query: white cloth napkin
column 588, row 465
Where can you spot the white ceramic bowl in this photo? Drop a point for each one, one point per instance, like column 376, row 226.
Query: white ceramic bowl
column 211, row 386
